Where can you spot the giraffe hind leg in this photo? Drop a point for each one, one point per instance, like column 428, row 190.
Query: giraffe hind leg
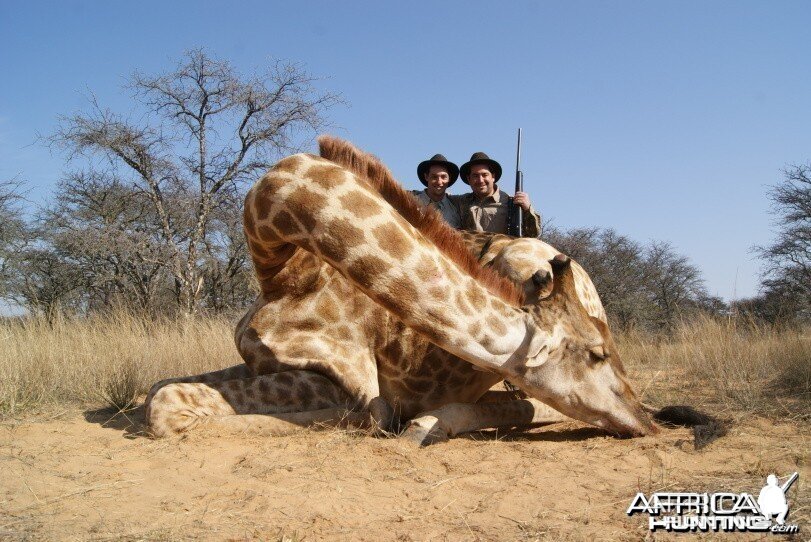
column 237, row 372
column 180, row 406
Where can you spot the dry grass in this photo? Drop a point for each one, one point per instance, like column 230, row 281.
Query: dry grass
column 113, row 359
column 108, row 359
column 737, row 367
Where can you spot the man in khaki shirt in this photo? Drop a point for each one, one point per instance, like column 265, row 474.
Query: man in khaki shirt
column 438, row 174
column 485, row 208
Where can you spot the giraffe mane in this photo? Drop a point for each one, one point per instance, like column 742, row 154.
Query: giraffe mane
column 426, row 220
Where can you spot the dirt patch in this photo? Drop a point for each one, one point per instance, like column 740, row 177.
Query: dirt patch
column 96, row 477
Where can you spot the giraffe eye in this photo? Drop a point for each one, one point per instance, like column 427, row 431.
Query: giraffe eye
column 598, row 353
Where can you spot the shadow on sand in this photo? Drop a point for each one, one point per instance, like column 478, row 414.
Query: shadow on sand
column 132, row 422
column 532, row 435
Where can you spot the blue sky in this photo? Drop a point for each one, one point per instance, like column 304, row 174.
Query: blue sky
column 664, row 121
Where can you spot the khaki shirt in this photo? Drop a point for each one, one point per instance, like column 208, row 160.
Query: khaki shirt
column 446, row 207
column 490, row 214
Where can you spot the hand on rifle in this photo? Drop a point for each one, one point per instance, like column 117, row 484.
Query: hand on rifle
column 522, row 200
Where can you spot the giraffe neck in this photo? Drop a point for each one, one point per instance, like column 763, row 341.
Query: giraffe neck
column 314, row 204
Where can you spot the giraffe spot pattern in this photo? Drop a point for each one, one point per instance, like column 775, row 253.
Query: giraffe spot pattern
column 360, row 205
column 328, row 176
column 367, row 269
column 390, row 238
column 339, row 238
column 284, row 223
column 305, row 206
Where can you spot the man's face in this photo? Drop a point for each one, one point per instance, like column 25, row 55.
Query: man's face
column 437, row 179
column 481, row 180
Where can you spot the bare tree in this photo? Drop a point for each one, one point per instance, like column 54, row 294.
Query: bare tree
column 206, row 131
column 786, row 279
column 674, row 284
column 108, row 231
column 14, row 235
column 640, row 286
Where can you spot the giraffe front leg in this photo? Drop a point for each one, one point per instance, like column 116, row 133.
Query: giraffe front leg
column 455, row 418
column 180, row 406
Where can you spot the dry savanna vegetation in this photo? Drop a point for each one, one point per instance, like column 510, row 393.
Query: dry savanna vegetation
column 111, row 360
column 71, row 388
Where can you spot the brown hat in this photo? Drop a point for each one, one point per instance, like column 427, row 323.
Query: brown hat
column 480, row 158
column 438, row 160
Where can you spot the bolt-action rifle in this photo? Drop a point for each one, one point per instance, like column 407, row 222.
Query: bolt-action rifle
column 515, row 214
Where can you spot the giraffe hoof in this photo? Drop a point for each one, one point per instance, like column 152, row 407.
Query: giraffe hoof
column 425, row 431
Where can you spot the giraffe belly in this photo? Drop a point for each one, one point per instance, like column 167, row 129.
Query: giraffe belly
column 415, row 375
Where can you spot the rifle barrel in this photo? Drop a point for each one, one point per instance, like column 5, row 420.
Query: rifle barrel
column 518, row 152
column 790, row 481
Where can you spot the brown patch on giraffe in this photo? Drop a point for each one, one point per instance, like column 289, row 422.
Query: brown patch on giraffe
column 420, row 386
column 427, row 269
column 327, row 308
column 305, row 204
column 260, row 197
column 428, row 221
column 282, row 395
column 435, row 335
column 326, row 175
column 325, row 389
column 475, row 329
column 367, row 269
column 305, row 393
column 263, row 386
column 496, row 326
column 456, row 379
column 308, row 324
column 359, row 204
column 344, row 333
column 183, row 396
column 340, row 236
column 284, row 379
column 401, row 296
column 438, row 294
column 248, row 222
column 462, row 304
column 475, row 298
column 290, row 164
column 441, row 317
column 393, row 352
column 284, row 223
column 442, row 374
column 392, row 240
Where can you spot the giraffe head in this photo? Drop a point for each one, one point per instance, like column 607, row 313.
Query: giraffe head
column 577, row 369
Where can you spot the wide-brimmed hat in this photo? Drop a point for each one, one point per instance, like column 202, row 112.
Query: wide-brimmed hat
column 438, row 160
column 480, row 158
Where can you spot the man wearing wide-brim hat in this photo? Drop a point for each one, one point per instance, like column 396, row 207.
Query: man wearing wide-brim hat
column 438, row 174
column 485, row 208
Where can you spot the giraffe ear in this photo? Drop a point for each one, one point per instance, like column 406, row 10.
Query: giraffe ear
column 562, row 276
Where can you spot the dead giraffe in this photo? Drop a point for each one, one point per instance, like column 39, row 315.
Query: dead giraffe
column 370, row 304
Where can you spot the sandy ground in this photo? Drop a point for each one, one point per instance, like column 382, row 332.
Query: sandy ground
column 92, row 476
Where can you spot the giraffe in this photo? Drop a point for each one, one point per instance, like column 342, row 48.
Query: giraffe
column 373, row 311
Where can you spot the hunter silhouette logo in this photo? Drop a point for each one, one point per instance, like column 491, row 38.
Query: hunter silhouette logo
column 719, row 512
column 772, row 499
